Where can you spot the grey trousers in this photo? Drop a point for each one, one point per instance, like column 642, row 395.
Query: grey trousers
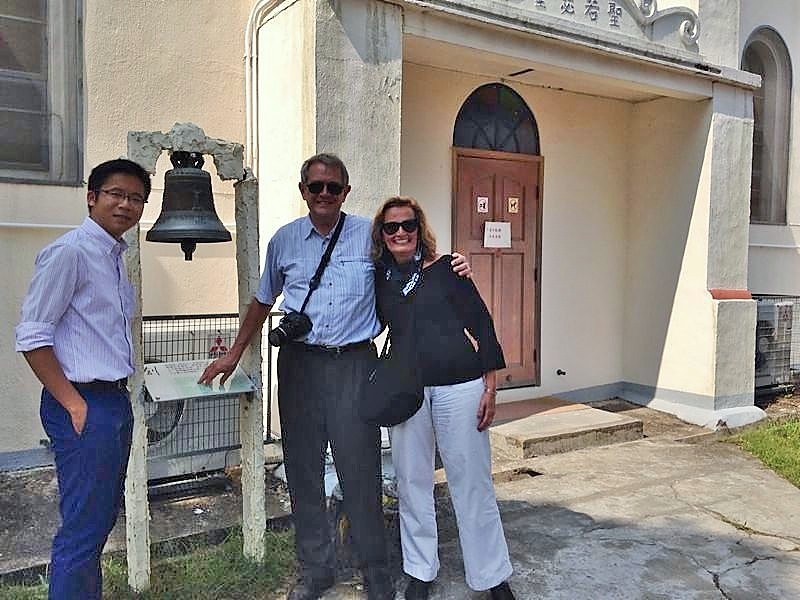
column 318, row 397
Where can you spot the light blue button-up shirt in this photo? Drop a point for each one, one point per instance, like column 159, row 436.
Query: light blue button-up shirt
column 342, row 308
column 81, row 303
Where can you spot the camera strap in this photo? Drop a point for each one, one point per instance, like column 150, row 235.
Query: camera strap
column 323, row 262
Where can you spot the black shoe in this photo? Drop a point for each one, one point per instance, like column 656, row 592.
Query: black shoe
column 306, row 588
column 417, row 589
column 378, row 582
column 502, row 592
column 380, row 589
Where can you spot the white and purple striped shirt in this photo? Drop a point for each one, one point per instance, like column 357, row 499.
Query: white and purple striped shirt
column 81, row 303
column 342, row 308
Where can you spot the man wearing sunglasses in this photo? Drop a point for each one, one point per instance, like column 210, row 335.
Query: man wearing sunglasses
column 321, row 376
column 75, row 334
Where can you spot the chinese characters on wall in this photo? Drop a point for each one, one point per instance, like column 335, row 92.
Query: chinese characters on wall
column 592, row 9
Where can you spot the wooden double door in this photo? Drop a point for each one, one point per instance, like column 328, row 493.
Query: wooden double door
column 500, row 187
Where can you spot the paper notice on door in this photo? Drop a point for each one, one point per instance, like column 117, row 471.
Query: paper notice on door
column 497, row 234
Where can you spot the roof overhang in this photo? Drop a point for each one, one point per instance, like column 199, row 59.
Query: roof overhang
column 558, row 53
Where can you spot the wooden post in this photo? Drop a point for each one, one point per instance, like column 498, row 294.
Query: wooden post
column 137, row 510
column 251, row 406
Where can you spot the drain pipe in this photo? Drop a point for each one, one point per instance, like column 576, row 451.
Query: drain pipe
column 261, row 12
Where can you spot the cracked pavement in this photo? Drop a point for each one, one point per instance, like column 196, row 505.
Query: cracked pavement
column 653, row 519
column 644, row 520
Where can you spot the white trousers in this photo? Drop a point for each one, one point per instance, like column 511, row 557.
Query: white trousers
column 449, row 415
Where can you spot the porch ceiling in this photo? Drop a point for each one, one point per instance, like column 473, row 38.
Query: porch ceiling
column 435, row 53
column 476, row 42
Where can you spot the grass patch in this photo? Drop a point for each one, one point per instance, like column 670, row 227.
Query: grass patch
column 207, row 573
column 777, row 444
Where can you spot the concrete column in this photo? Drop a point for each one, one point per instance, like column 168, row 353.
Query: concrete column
column 690, row 323
column 358, row 59
column 728, row 158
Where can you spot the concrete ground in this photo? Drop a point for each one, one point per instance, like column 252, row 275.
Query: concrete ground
column 657, row 518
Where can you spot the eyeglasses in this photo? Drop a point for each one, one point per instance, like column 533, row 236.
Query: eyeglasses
column 391, row 227
column 119, row 196
column 316, row 187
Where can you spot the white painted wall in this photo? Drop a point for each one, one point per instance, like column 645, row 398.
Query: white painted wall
column 774, row 261
column 286, row 113
column 146, row 66
column 719, row 25
column 586, row 150
column 666, row 293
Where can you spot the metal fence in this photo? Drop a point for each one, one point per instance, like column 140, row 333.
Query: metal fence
column 777, row 352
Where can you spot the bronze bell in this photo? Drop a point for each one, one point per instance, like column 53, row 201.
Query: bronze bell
column 187, row 210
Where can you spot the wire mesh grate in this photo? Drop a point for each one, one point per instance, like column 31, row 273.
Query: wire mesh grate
column 193, row 426
column 777, row 352
column 187, row 337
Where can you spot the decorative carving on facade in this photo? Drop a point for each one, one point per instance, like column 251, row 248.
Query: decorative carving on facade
column 646, row 12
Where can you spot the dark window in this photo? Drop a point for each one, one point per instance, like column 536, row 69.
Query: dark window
column 495, row 117
column 39, row 120
column 766, row 55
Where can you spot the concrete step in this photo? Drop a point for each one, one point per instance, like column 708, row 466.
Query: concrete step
column 549, row 425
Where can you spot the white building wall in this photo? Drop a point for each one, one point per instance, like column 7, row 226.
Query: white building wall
column 586, row 151
column 774, row 262
column 669, row 318
column 285, row 103
column 146, row 66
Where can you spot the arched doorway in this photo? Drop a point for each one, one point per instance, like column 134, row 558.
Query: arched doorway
column 497, row 179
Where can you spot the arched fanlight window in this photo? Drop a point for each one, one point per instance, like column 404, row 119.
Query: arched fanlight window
column 766, row 54
column 495, row 117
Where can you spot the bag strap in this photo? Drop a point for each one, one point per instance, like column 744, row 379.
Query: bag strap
column 323, row 262
column 385, row 346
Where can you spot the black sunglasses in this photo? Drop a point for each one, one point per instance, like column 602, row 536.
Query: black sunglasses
column 391, row 227
column 316, row 187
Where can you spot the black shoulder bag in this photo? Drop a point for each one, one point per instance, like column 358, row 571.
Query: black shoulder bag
column 394, row 390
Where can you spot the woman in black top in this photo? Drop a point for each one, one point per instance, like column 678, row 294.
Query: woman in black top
column 458, row 354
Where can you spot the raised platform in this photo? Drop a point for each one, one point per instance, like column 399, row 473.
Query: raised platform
column 549, row 425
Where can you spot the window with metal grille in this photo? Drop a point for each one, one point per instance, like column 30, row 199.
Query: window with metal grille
column 39, row 90
column 495, row 117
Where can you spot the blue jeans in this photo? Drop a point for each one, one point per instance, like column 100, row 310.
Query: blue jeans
column 91, row 477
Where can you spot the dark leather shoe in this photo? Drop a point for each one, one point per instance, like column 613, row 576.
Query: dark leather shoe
column 307, row 588
column 380, row 589
column 418, row 589
column 502, row 592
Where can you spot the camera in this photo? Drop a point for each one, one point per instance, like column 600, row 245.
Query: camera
column 292, row 326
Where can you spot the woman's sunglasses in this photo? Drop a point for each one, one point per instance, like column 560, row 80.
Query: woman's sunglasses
column 391, row 227
column 316, row 187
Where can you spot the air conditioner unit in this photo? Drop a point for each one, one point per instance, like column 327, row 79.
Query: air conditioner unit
column 773, row 343
column 191, row 436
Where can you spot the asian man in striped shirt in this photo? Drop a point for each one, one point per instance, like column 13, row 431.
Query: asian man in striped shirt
column 75, row 334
